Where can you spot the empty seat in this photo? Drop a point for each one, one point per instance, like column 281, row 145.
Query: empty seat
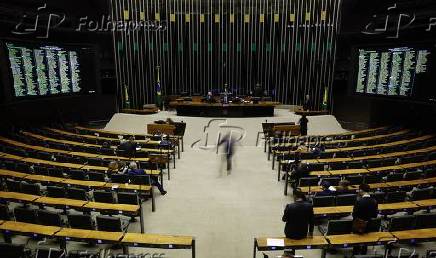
column 33, row 189
column 374, row 225
column 331, row 180
column 140, row 180
column 13, row 251
column 373, row 163
column 55, row 172
column 425, row 220
column 104, row 196
column 77, row 194
column 40, row 170
column 394, row 177
column 56, row 192
column 119, row 178
column 76, row 174
column 107, row 151
column 421, row 194
column 323, row 201
column 95, row 161
column 80, row 221
column 346, row 199
column 127, row 198
column 4, row 212
column 389, row 162
column 308, row 181
column 379, row 196
column 398, row 196
column 355, row 179
column 50, row 253
column 22, row 167
column 44, row 155
column 371, row 179
column 111, row 224
column 13, row 186
column 413, row 175
column 25, row 215
column 354, row 165
column 430, row 173
column 339, row 227
column 49, row 218
column 401, row 223
column 10, row 165
column 338, row 165
column 96, row 176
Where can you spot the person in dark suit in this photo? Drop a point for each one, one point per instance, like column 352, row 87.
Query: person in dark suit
column 365, row 208
column 134, row 171
column 258, row 91
column 299, row 217
column 129, row 147
column 344, row 187
column 327, row 189
column 303, row 125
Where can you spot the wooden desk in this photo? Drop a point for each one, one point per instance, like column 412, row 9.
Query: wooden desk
column 94, row 137
column 99, row 237
column 305, row 243
column 117, row 133
column 426, row 203
column 82, row 235
column 325, row 211
column 82, row 183
column 52, row 163
column 160, row 241
column 348, row 171
column 188, row 108
column 61, row 202
column 395, row 184
column 29, row 229
column 382, row 207
column 373, row 238
column 18, row 197
column 126, row 209
column 398, row 206
column 421, row 235
column 13, row 174
column 45, row 179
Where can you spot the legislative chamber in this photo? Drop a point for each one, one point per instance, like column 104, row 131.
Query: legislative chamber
column 176, row 129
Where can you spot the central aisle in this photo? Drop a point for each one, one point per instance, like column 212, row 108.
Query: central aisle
column 223, row 211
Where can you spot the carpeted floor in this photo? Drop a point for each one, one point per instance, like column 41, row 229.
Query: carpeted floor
column 224, row 212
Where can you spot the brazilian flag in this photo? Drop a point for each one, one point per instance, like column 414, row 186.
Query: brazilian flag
column 325, row 99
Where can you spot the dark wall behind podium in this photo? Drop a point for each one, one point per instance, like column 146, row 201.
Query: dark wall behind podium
column 62, row 109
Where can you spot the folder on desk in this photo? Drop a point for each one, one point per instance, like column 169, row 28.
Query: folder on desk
column 275, row 242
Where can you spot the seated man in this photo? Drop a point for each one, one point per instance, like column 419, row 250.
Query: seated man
column 134, row 171
column 344, row 187
column 129, row 147
column 299, row 217
column 327, row 189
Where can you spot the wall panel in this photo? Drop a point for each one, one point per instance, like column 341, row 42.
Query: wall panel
column 288, row 46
